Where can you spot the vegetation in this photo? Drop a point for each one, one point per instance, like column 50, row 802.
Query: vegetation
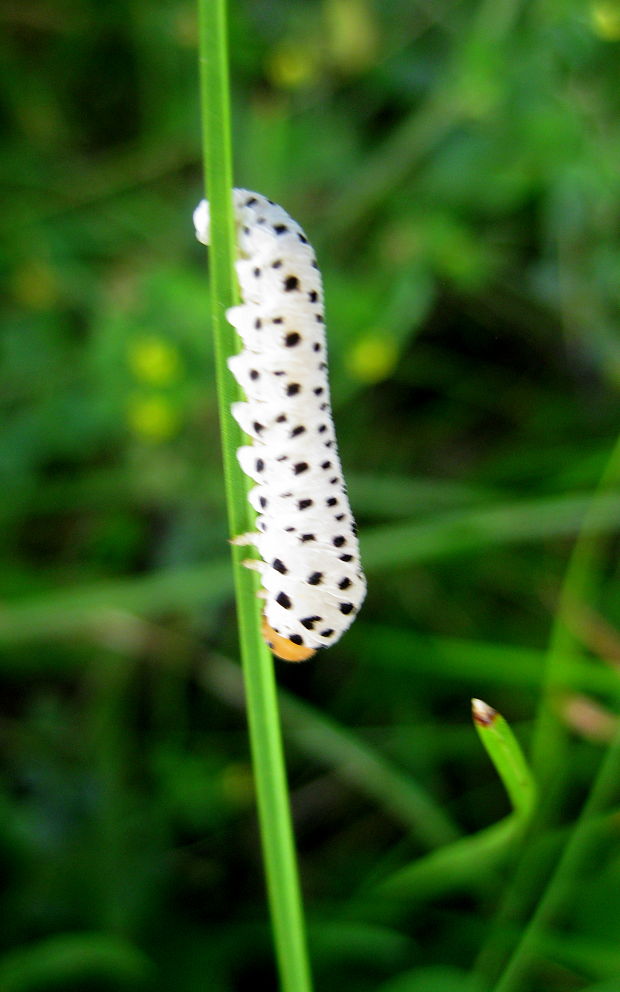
column 455, row 165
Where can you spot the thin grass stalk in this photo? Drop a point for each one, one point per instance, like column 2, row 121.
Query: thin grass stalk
column 549, row 746
column 549, row 740
column 262, row 706
column 566, row 871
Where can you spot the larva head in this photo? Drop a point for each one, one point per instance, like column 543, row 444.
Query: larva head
column 282, row 647
column 202, row 222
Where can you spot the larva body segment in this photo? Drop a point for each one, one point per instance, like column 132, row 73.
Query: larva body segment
column 306, row 537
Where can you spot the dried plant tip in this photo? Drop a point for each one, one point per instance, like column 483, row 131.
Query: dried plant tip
column 483, row 714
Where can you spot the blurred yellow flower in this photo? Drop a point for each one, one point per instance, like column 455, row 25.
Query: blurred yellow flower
column 373, row 358
column 605, row 19
column 153, row 360
column 152, row 418
column 291, row 66
column 352, row 38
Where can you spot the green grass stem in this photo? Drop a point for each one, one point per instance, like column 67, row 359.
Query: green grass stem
column 550, row 752
column 508, row 760
column 353, row 759
column 549, row 741
column 567, row 870
column 262, row 706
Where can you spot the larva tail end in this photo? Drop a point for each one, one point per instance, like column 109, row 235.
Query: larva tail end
column 282, row 647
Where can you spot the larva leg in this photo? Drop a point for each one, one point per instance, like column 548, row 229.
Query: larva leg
column 253, row 564
column 242, row 540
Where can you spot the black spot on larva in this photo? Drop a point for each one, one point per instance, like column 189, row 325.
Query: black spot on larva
column 257, row 272
column 324, row 406
column 318, row 391
column 346, row 608
column 315, row 579
column 300, row 467
column 260, row 465
column 340, row 516
column 280, row 566
column 292, row 389
column 271, row 202
column 321, row 428
column 254, row 374
column 246, row 230
column 286, row 495
column 332, row 501
column 333, row 481
column 292, row 339
column 339, row 541
column 313, row 296
column 302, row 238
column 309, row 622
column 280, row 228
column 296, row 639
column 261, row 220
column 303, row 504
column 307, row 537
column 329, row 444
column 252, row 200
column 278, row 320
column 258, row 323
column 327, row 633
column 346, row 557
column 354, row 527
column 282, row 458
column 326, row 465
column 344, row 583
column 289, row 530
column 283, row 600
column 258, row 427
column 319, row 318
column 322, row 366
column 277, row 265
column 281, row 419
column 263, row 502
column 316, row 346
column 297, row 431
column 291, row 283
column 315, row 264
column 280, row 372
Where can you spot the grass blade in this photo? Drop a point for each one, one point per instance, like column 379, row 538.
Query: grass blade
column 263, row 717
column 504, row 751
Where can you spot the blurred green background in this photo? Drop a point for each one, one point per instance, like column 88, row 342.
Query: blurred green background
column 456, row 165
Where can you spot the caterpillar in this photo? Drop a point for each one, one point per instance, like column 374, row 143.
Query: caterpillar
column 313, row 584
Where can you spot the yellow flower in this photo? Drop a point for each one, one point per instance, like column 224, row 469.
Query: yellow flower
column 352, row 39
column 373, row 358
column 153, row 360
column 291, row 65
column 605, row 19
column 152, row 418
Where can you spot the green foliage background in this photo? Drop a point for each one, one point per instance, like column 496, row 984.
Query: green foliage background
column 456, row 166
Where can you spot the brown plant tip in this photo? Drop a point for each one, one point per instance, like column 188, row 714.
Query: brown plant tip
column 483, row 715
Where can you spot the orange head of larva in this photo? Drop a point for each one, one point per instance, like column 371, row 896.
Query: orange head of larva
column 282, row 647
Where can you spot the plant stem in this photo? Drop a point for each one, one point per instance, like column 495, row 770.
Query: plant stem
column 566, row 871
column 263, row 717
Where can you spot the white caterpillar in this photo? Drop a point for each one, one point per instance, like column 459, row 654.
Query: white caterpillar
column 310, row 569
